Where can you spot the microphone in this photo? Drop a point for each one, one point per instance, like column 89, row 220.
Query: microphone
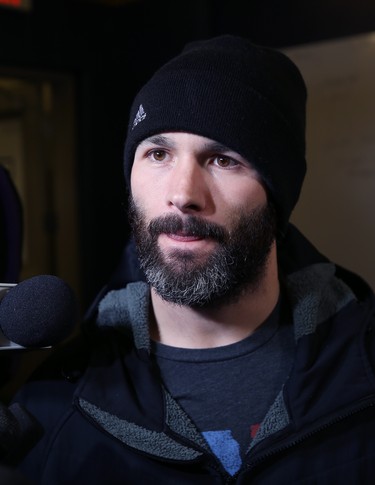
column 38, row 312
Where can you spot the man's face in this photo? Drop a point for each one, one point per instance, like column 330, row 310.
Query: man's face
column 201, row 220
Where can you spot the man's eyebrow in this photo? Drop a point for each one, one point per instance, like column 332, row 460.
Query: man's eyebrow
column 166, row 142
column 160, row 140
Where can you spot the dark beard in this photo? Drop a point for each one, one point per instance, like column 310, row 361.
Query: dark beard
column 220, row 278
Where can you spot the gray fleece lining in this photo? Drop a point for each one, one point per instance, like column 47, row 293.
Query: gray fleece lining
column 152, row 442
column 128, row 308
column 181, row 423
column 276, row 419
column 316, row 295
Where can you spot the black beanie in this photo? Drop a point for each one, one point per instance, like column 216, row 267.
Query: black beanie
column 249, row 98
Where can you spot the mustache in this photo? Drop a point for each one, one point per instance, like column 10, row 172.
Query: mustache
column 190, row 225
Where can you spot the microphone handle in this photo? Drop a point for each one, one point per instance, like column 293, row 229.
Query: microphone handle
column 19, row 433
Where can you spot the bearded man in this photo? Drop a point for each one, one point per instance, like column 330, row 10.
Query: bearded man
column 238, row 353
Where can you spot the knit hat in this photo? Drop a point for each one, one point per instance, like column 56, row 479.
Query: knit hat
column 249, row 98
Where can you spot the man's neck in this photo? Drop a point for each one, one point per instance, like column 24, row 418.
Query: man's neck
column 186, row 327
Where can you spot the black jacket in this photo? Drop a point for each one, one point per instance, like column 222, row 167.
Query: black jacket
column 108, row 418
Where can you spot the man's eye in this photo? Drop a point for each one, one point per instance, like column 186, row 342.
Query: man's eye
column 157, row 155
column 224, row 162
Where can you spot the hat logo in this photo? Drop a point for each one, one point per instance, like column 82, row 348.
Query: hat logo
column 140, row 116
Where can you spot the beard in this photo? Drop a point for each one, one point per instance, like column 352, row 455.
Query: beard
column 235, row 266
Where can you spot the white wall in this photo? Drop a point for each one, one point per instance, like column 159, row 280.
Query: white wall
column 337, row 207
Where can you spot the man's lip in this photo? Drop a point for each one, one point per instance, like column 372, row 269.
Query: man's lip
column 184, row 237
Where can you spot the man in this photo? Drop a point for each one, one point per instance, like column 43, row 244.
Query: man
column 245, row 356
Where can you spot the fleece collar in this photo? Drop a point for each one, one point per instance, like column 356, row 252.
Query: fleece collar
column 315, row 294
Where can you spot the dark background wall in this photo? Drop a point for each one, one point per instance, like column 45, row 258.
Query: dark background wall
column 111, row 48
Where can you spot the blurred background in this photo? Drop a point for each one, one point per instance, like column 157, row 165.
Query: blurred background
column 68, row 72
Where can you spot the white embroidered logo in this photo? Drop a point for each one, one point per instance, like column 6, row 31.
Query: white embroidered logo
column 140, row 116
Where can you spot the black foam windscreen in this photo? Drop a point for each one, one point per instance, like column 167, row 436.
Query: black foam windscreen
column 39, row 312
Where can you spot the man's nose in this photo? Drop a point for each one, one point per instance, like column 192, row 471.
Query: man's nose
column 187, row 188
